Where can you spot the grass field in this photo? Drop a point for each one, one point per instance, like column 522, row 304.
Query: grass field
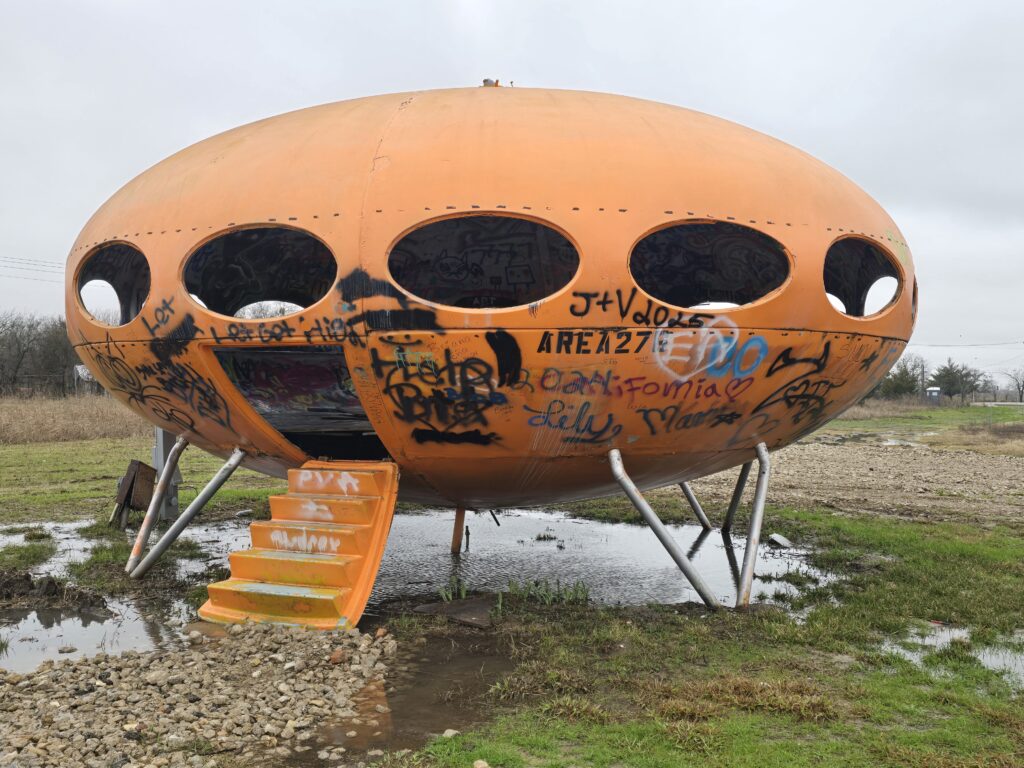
column 679, row 686
column 826, row 682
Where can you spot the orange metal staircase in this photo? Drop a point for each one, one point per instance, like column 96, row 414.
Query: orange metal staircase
column 314, row 562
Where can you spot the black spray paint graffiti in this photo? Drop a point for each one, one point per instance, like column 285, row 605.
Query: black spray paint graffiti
column 442, row 398
column 134, row 384
column 359, row 284
column 804, row 398
column 673, row 419
column 648, row 313
column 510, row 359
column 605, row 341
column 175, row 341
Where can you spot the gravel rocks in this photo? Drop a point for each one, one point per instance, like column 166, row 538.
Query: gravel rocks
column 260, row 691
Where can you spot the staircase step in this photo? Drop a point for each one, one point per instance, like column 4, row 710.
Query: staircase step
column 310, row 538
column 352, row 480
column 359, row 510
column 275, row 566
column 239, row 599
column 314, row 562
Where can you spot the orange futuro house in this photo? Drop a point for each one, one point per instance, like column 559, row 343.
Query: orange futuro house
column 512, row 296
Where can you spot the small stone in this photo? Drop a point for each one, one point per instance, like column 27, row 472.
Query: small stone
column 480, row 764
column 375, row 753
column 338, row 655
column 352, row 734
column 449, row 733
column 236, row 629
column 67, row 649
column 195, row 638
column 381, row 632
column 381, row 708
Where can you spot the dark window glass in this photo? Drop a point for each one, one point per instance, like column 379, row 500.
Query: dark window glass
column 483, row 262
column 269, row 266
column 705, row 264
column 114, row 282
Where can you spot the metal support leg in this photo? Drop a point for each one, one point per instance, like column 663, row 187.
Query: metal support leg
column 186, row 517
column 460, row 521
column 163, row 444
column 619, row 472
column 695, row 506
column 156, row 504
column 764, row 468
column 737, row 497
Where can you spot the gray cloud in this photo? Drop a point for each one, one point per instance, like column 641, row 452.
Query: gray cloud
column 918, row 102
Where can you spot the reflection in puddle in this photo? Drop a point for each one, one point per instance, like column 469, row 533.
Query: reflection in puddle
column 1007, row 659
column 36, row 635
column 619, row 563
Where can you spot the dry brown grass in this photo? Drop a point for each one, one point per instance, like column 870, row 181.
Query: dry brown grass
column 49, row 420
column 877, row 408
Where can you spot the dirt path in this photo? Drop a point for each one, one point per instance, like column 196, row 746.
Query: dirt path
column 900, row 481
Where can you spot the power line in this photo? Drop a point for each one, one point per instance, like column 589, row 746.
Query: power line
column 35, row 279
column 31, row 269
column 40, row 262
column 983, row 344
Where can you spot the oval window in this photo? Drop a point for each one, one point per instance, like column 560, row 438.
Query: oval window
column 862, row 276
column 708, row 265
column 260, row 272
column 113, row 283
column 483, row 262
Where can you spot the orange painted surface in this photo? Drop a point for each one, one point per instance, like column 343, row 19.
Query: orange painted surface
column 315, row 561
column 600, row 365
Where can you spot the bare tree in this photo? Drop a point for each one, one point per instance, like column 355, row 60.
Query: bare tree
column 1016, row 376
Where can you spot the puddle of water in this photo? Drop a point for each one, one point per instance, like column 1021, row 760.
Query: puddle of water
column 430, row 688
column 619, row 563
column 1005, row 659
column 37, row 635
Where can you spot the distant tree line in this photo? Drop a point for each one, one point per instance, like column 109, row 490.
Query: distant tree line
column 911, row 376
column 36, row 357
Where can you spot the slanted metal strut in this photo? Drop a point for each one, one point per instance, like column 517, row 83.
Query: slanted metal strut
column 698, row 510
column 185, row 518
column 764, row 468
column 156, row 504
column 737, row 497
column 619, row 472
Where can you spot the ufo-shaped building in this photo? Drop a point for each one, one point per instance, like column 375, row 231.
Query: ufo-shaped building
column 499, row 294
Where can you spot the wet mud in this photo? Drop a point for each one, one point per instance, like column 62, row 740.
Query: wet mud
column 618, row 563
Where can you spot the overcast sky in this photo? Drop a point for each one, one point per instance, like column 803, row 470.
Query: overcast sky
column 921, row 103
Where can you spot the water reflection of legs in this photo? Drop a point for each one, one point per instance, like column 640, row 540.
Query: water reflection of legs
column 730, row 554
column 698, row 543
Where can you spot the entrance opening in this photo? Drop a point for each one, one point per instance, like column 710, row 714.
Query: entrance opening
column 306, row 394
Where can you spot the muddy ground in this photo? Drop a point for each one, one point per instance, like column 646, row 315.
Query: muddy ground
column 904, row 481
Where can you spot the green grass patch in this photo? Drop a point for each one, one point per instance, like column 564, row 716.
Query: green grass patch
column 928, row 420
column 103, row 570
column 19, row 557
column 59, row 482
column 683, row 686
